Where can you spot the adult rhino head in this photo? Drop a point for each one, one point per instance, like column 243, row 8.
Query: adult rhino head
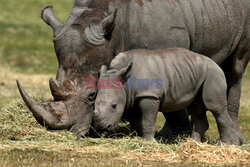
column 81, row 46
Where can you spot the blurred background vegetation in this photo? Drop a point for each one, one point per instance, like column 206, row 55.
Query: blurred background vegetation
column 26, row 42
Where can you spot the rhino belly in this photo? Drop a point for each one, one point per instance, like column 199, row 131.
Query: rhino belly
column 177, row 104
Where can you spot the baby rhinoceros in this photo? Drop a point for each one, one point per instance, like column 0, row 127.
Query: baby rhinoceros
column 165, row 80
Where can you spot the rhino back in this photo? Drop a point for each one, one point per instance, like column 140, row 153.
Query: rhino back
column 212, row 28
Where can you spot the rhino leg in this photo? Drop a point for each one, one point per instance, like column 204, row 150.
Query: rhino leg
column 214, row 96
column 165, row 133
column 149, row 109
column 133, row 116
column 234, row 93
column 135, row 124
column 177, row 123
column 234, row 69
column 229, row 133
column 200, row 125
column 234, row 74
column 199, row 120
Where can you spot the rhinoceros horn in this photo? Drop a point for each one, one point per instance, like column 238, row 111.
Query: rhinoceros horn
column 42, row 112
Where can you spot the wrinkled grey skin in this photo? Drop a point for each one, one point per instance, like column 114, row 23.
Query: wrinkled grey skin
column 97, row 30
column 187, row 78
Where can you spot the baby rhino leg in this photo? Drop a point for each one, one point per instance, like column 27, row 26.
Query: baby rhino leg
column 215, row 99
column 199, row 120
column 149, row 109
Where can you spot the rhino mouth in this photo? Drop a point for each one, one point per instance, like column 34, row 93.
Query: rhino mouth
column 103, row 125
column 62, row 113
column 108, row 128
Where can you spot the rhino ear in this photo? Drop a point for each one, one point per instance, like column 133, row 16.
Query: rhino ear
column 123, row 72
column 107, row 24
column 103, row 71
column 49, row 18
column 95, row 32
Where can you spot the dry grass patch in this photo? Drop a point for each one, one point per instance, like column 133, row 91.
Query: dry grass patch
column 192, row 151
column 187, row 152
column 35, row 84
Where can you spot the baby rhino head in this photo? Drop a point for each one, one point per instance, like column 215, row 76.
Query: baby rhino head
column 111, row 98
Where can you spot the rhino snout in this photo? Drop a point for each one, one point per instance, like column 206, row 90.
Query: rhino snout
column 100, row 123
column 97, row 118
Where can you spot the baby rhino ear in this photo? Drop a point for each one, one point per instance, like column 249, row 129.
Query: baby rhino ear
column 123, row 72
column 103, row 71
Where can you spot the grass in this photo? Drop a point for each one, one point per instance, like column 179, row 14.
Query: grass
column 26, row 53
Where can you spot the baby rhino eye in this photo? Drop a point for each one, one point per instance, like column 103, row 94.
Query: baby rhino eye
column 114, row 105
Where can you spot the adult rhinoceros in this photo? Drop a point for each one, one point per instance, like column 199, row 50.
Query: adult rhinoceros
column 97, row 30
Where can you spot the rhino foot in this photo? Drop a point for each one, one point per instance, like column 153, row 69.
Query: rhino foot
column 236, row 138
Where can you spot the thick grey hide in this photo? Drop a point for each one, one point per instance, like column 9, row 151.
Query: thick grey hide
column 183, row 74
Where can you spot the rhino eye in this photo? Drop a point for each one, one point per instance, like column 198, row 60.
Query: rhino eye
column 114, row 105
